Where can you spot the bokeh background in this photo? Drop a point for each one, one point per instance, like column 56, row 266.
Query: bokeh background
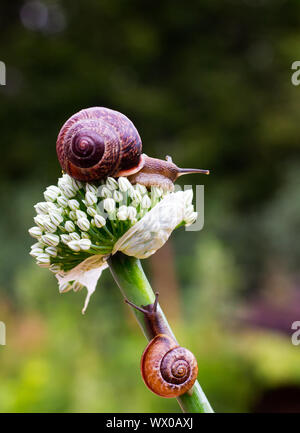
column 208, row 82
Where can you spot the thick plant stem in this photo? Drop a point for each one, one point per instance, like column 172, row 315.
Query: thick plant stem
column 132, row 281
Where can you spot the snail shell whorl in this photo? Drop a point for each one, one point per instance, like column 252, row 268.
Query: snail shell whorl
column 98, row 142
column 168, row 369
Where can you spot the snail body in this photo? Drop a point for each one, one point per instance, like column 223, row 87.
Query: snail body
column 98, row 142
column 167, row 369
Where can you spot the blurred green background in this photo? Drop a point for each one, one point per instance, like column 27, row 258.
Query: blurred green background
column 208, row 82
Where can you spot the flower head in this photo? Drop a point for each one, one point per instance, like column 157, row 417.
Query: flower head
column 79, row 222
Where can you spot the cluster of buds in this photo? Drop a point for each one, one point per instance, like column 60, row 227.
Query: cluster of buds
column 79, row 220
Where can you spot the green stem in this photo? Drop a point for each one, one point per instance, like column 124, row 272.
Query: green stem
column 132, row 281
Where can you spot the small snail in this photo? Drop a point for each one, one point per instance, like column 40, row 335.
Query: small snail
column 167, row 369
column 98, row 142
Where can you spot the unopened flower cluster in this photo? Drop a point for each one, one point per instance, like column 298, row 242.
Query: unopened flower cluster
column 78, row 220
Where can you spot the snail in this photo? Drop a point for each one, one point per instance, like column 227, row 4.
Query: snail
column 167, row 369
column 98, row 142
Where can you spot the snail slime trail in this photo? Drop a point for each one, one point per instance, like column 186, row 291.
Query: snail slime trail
column 98, row 142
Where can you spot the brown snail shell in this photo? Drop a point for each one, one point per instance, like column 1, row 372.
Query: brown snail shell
column 167, row 369
column 98, row 142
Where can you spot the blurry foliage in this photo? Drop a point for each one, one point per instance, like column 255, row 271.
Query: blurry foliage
column 208, row 84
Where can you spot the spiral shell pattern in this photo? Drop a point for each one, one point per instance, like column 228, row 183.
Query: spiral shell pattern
column 98, row 142
column 167, row 369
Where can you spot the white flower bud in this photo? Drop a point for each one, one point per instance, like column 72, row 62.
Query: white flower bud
column 52, row 251
column 188, row 210
column 35, row 232
column 59, row 210
column 141, row 188
column 55, row 268
column 122, row 213
column 111, row 183
column 85, row 235
column 37, row 245
column 85, row 244
column 56, row 218
column 74, row 236
column 131, row 212
column 51, row 194
column 156, row 192
column 41, row 207
column 146, row 202
column 124, row 184
column 91, row 211
column 68, row 190
column 54, row 189
column 91, row 188
column 135, row 203
column 51, row 240
column 80, row 214
column 63, row 288
column 73, row 204
column 76, row 184
column 65, row 239
column 70, row 226
column 74, row 245
column 51, row 206
column 83, row 224
column 39, row 220
column 135, row 196
column 43, row 260
column 49, row 226
column 191, row 218
column 36, row 252
column 62, row 201
column 72, row 215
column 105, row 192
column 76, row 286
column 109, row 205
column 118, row 196
column 65, row 180
column 99, row 221
column 90, row 198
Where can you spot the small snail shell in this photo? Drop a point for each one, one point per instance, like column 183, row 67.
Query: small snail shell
column 167, row 369
column 98, row 142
